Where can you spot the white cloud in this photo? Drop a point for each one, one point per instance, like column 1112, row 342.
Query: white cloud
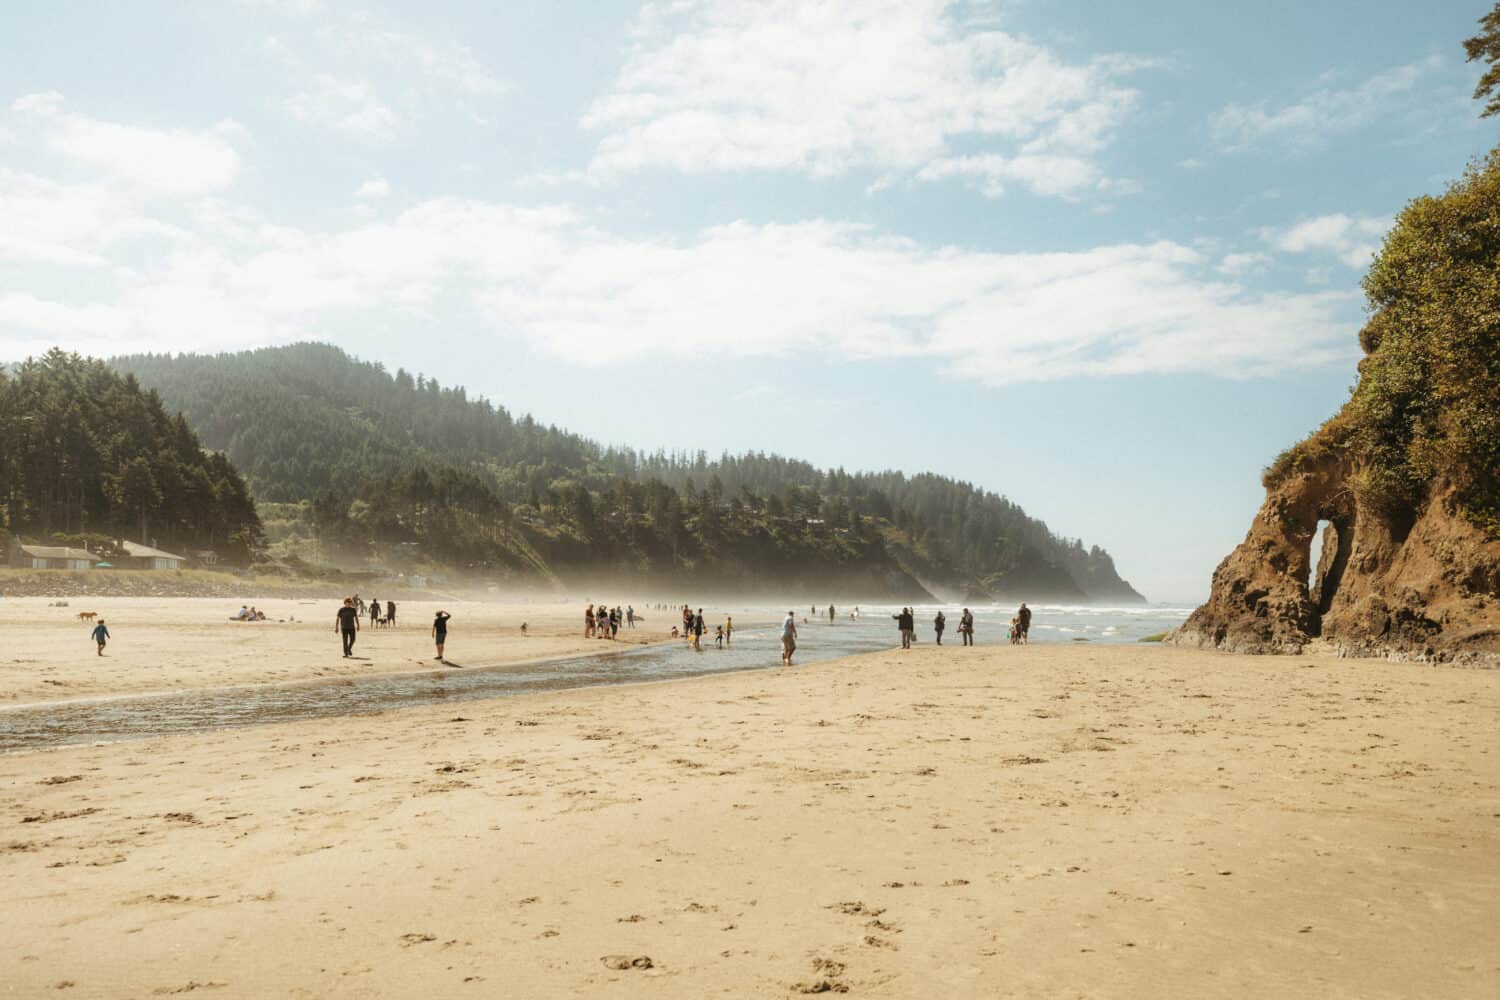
column 373, row 78
column 57, row 319
column 375, row 187
column 346, row 105
column 1320, row 114
column 741, row 290
column 162, row 162
column 1352, row 240
column 1237, row 265
column 74, row 225
column 991, row 172
column 827, row 87
column 444, row 66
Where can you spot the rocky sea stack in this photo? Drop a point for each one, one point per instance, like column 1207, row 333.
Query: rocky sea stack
column 1404, row 479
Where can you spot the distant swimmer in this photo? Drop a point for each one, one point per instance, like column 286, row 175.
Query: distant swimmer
column 966, row 627
column 938, row 624
column 1023, row 618
column 440, row 632
column 788, row 638
column 830, row 614
column 101, row 635
column 347, row 624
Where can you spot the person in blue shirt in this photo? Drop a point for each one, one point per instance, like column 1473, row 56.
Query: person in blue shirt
column 101, row 635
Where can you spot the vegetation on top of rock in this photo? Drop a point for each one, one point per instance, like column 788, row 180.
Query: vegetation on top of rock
column 1426, row 407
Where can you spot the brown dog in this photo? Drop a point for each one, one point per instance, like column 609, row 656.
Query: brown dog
column 87, row 616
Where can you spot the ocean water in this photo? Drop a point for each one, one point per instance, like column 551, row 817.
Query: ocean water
column 1049, row 622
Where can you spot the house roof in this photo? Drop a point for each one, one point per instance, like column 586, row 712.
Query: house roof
column 138, row 551
column 56, row 552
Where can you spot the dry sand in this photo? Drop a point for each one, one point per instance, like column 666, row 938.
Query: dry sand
column 1040, row 822
column 173, row 644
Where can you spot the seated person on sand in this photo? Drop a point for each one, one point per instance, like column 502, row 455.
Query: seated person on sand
column 675, row 633
column 243, row 614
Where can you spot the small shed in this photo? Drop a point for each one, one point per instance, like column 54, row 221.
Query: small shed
column 138, row 556
column 52, row 557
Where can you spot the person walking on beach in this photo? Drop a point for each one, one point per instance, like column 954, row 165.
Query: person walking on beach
column 966, row 627
column 630, row 615
column 374, row 612
column 101, row 635
column 347, row 624
column 906, row 623
column 614, row 622
column 1023, row 619
column 728, row 629
column 788, row 638
column 588, row 622
column 938, row 624
column 440, row 632
column 830, row 614
column 390, row 613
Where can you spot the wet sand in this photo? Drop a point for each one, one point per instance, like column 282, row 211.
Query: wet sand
column 1039, row 822
column 177, row 644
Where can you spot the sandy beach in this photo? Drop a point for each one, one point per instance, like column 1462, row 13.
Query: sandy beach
column 185, row 643
column 1034, row 822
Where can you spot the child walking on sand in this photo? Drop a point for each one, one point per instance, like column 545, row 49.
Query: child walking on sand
column 101, row 635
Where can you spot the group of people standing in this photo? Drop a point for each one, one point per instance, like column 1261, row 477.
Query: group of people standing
column 1020, row 626
column 693, row 628
column 377, row 616
column 604, row 623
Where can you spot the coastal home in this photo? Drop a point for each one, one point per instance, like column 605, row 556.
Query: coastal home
column 138, row 556
column 51, row 557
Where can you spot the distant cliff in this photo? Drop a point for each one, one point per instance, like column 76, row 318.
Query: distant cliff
column 1406, row 477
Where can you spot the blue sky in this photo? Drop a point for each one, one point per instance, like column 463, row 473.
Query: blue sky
column 1103, row 259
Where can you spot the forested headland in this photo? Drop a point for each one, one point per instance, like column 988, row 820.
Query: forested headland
column 356, row 465
column 88, row 458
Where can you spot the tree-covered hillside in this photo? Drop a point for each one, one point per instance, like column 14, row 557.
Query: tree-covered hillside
column 392, row 464
column 85, row 451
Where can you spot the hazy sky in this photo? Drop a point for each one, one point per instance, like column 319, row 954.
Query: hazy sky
column 1101, row 258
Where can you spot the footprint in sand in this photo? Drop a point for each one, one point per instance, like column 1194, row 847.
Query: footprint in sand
column 622, row 963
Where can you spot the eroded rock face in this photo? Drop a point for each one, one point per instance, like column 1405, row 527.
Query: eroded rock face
column 1423, row 586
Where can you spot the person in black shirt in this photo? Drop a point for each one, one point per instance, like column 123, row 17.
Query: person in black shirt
column 390, row 613
column 1024, row 618
column 906, row 622
column 440, row 632
column 347, row 622
column 938, row 624
column 966, row 627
